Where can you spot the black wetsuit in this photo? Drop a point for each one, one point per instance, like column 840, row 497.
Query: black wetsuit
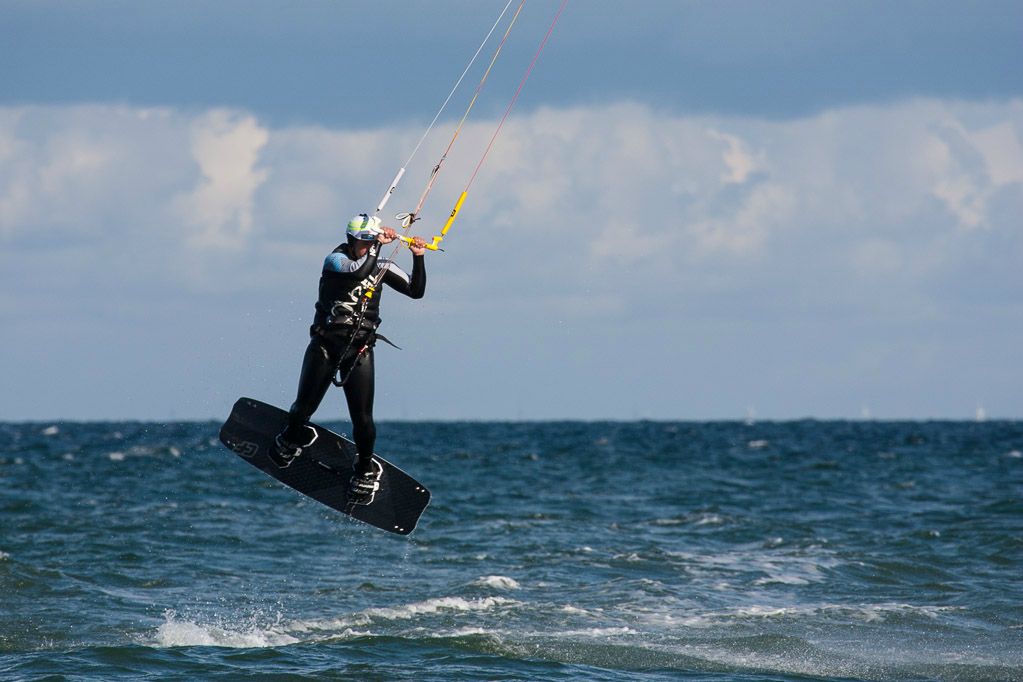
column 342, row 336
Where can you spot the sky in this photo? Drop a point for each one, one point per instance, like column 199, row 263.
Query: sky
column 696, row 210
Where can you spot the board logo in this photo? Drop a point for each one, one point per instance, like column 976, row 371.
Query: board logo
column 244, row 448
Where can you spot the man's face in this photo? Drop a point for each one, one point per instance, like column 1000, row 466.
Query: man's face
column 360, row 247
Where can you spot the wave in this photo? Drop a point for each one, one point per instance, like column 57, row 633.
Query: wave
column 178, row 632
column 433, row 606
column 724, row 641
column 497, row 582
column 256, row 631
column 863, row 613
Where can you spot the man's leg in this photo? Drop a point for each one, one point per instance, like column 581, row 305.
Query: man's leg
column 317, row 370
column 359, row 394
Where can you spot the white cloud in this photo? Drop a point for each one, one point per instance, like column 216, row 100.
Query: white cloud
column 973, row 163
column 738, row 160
column 830, row 245
column 226, row 146
column 95, row 172
column 1003, row 154
column 690, row 202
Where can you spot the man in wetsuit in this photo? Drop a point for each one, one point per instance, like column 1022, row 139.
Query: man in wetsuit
column 341, row 343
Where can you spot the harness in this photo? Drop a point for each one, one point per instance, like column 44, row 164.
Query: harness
column 356, row 325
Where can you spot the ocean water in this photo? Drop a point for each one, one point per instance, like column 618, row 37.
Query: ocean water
column 551, row 551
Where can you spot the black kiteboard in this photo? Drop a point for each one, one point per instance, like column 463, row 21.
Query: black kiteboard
column 324, row 468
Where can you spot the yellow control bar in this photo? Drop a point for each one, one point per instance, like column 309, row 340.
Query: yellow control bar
column 438, row 238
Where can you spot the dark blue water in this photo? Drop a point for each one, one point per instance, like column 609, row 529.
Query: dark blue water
column 561, row 551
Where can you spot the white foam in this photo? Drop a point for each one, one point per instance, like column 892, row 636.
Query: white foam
column 708, row 519
column 864, row 612
column 4, row 556
column 780, row 565
column 51, row 431
column 757, row 444
column 782, row 579
column 703, row 519
column 142, row 451
column 431, row 606
column 498, row 582
column 872, row 612
column 757, row 611
column 345, row 627
column 568, row 608
column 331, row 630
column 174, row 633
column 597, row 632
column 468, row 632
column 1015, row 454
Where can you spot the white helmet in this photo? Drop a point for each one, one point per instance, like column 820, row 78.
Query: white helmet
column 363, row 227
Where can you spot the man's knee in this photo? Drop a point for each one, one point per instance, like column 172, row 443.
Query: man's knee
column 363, row 426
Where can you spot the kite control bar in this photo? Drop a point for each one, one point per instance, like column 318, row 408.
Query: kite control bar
column 407, row 241
column 408, row 218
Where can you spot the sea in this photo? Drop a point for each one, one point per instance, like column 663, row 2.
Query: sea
column 800, row 550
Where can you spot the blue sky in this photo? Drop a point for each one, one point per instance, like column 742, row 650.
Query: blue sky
column 697, row 210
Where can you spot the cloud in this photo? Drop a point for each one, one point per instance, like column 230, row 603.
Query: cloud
column 976, row 165
column 226, row 146
column 836, row 246
column 90, row 174
column 592, row 198
column 738, row 160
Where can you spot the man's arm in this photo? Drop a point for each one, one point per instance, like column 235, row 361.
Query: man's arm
column 355, row 270
column 414, row 285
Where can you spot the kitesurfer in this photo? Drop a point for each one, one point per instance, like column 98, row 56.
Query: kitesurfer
column 341, row 343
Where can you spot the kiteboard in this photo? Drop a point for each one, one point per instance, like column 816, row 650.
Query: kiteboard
column 324, row 468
